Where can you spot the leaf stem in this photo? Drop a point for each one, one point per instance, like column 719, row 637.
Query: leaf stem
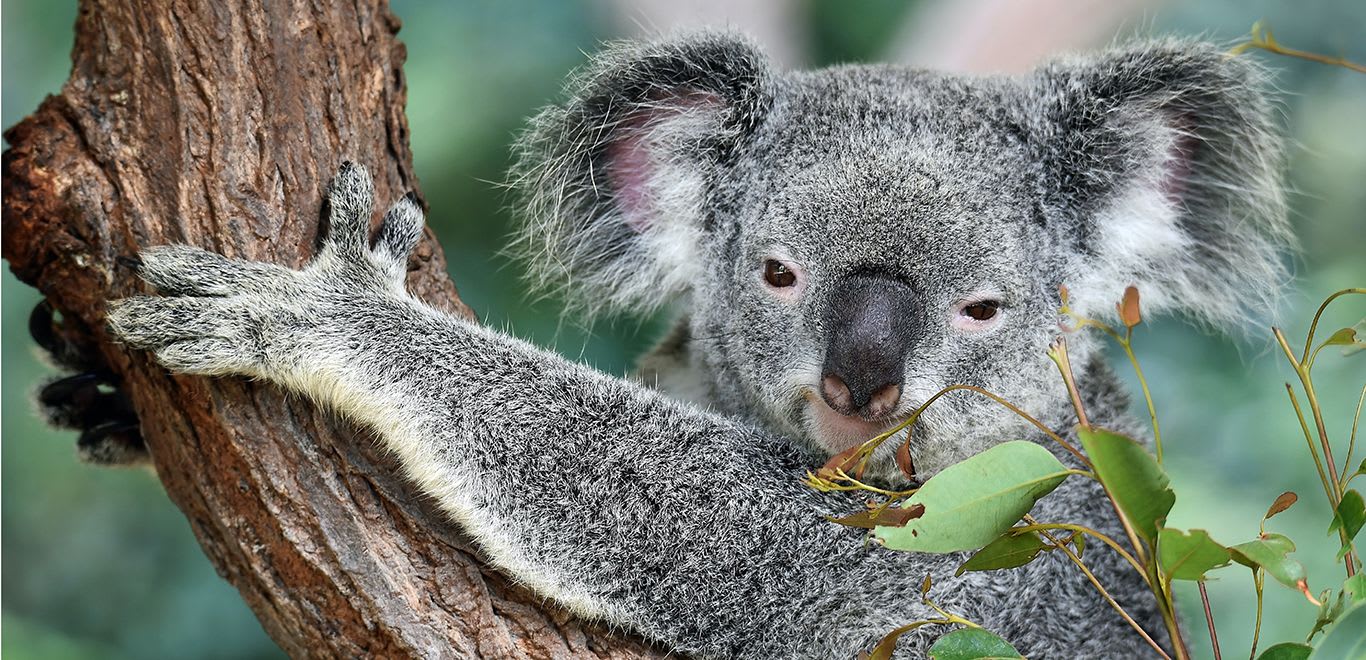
column 1209, row 618
column 1114, row 545
column 1105, row 594
column 870, row 445
column 1309, row 440
column 1313, row 325
column 1258, row 582
column 1058, row 354
column 1262, row 39
column 1307, row 383
column 1147, row 396
column 1351, row 445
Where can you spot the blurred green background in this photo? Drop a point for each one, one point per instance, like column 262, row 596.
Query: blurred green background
column 98, row 564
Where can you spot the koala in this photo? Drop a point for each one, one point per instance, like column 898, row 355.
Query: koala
column 839, row 245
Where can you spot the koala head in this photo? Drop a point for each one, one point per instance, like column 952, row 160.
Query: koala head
column 849, row 241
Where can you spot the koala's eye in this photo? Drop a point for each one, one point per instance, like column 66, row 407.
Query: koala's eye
column 981, row 311
column 778, row 275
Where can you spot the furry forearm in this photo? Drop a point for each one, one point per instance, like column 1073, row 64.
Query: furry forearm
column 656, row 516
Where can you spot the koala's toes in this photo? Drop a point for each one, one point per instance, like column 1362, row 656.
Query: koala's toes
column 81, row 400
column 150, row 323
column 43, row 328
column 93, row 404
column 212, row 356
column 190, row 271
column 351, row 200
column 401, row 231
column 113, row 443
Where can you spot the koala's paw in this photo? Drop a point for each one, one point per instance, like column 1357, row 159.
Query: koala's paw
column 224, row 316
column 89, row 400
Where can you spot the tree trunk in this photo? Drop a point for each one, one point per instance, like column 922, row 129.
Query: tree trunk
column 219, row 125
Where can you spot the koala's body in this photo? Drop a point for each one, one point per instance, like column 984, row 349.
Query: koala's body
column 841, row 244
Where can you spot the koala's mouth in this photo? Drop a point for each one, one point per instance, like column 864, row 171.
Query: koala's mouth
column 836, row 432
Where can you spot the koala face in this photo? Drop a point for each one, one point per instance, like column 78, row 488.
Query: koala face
column 849, row 241
column 872, row 262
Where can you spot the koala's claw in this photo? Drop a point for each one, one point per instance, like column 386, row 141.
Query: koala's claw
column 88, row 401
column 220, row 316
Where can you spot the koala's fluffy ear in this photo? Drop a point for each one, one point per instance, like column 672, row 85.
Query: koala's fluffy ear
column 1162, row 169
column 616, row 184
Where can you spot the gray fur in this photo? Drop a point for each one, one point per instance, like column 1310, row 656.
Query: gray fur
column 672, row 172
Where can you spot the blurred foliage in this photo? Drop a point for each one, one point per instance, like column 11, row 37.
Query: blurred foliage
column 98, row 563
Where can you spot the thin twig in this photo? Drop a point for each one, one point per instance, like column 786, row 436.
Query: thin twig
column 1258, row 581
column 1106, row 594
column 1209, row 618
column 1113, row 544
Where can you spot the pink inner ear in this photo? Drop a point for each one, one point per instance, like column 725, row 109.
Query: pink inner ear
column 630, row 167
column 629, row 172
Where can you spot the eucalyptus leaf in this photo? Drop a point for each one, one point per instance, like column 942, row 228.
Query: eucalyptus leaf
column 1343, row 337
column 1355, row 587
column 971, row 503
column 1346, row 639
column 1133, row 477
column 1270, row 553
column 1008, row 551
column 1287, row 651
column 1187, row 556
column 972, row 644
column 1349, row 517
column 1283, row 501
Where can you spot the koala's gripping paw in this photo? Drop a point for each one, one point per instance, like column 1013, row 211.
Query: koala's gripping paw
column 221, row 316
column 89, row 400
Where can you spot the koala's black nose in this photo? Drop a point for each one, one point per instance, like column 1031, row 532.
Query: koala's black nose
column 872, row 323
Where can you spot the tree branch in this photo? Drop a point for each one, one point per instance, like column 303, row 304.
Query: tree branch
column 219, row 125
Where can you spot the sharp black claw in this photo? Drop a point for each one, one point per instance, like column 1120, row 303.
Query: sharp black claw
column 70, row 390
column 101, row 431
column 132, row 263
column 40, row 327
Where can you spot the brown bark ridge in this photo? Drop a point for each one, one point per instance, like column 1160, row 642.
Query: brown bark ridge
column 219, row 125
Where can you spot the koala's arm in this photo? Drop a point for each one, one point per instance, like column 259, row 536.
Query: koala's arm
column 600, row 494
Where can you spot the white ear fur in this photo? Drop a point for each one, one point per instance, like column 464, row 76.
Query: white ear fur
column 1168, row 153
column 659, row 182
column 1138, row 239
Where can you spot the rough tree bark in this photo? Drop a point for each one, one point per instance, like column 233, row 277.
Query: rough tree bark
column 219, row 125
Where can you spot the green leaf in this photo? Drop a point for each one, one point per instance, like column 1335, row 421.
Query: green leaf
column 1133, row 477
column 1186, row 556
column 1270, row 554
column 1349, row 517
column 1343, row 337
column 969, row 504
column 1008, row 551
column 1355, row 587
column 1286, row 651
column 1347, row 637
column 972, row 644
